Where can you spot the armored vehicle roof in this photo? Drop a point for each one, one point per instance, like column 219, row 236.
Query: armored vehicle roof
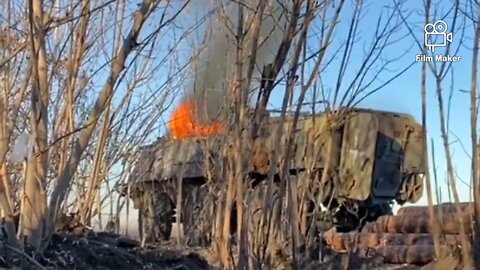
column 161, row 159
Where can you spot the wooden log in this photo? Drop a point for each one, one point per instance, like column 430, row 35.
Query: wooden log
column 412, row 254
column 399, row 267
column 344, row 242
column 371, row 227
column 444, row 208
column 450, row 224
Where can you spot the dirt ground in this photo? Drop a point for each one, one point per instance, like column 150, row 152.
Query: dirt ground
column 111, row 251
column 82, row 249
column 102, row 251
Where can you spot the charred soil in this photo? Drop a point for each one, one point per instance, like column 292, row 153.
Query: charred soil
column 402, row 241
column 102, row 251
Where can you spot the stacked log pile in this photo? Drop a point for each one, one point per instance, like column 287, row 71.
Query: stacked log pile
column 406, row 238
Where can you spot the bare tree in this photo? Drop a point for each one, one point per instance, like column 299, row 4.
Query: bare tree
column 70, row 46
column 473, row 121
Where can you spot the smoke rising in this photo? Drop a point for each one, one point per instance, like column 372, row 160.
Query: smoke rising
column 213, row 72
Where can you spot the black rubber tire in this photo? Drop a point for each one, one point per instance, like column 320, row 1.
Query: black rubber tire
column 140, row 224
column 255, row 199
column 164, row 211
column 349, row 222
column 197, row 216
column 156, row 217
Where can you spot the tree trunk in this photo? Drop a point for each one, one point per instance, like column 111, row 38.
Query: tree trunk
column 33, row 215
column 103, row 100
column 475, row 143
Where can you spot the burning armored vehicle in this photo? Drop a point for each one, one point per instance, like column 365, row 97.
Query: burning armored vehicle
column 374, row 158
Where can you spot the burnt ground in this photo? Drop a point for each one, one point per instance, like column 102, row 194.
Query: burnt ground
column 110, row 251
column 102, row 251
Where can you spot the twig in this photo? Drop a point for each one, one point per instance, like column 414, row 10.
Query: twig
column 29, row 258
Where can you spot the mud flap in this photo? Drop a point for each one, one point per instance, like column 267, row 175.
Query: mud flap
column 358, row 153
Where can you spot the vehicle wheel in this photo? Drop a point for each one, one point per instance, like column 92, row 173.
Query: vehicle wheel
column 164, row 211
column 197, row 216
column 155, row 217
column 140, row 224
column 271, row 234
column 346, row 221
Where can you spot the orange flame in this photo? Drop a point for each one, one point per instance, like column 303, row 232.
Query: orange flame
column 182, row 123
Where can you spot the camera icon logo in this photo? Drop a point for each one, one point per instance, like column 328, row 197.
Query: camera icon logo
column 436, row 35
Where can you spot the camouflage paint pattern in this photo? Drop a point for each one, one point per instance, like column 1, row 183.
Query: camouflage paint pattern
column 375, row 151
column 375, row 157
